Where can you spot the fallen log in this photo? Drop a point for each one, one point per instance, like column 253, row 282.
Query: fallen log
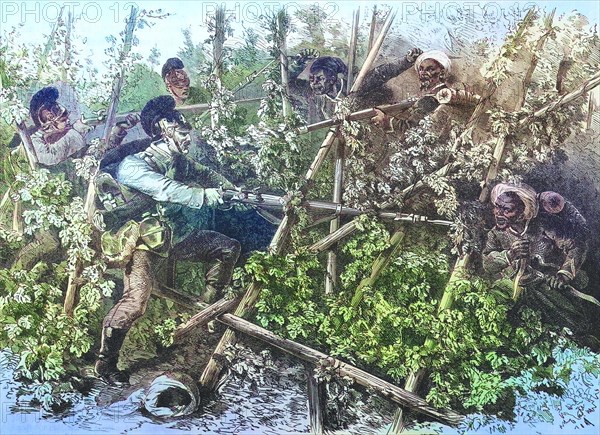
column 361, row 377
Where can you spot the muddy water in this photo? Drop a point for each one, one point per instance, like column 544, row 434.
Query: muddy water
column 264, row 393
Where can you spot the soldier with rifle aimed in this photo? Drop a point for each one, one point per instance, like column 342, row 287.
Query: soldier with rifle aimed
column 166, row 200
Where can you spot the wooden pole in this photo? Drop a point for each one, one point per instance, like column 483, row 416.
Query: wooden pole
column 217, row 55
column 340, row 368
column 372, row 29
column 205, row 316
column 374, row 50
column 331, row 276
column 281, row 31
column 89, row 206
column 67, row 57
column 210, row 374
column 533, row 64
column 331, row 239
column 382, row 261
column 590, row 112
column 352, row 51
column 49, row 45
column 315, row 401
column 314, row 357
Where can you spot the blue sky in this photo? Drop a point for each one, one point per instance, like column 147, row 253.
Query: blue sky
column 99, row 19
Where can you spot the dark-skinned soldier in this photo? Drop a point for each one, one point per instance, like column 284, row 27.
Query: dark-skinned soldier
column 541, row 240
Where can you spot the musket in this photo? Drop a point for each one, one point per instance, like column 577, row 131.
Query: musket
column 448, row 96
column 279, row 203
column 99, row 118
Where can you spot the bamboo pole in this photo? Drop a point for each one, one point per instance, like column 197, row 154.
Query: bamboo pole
column 331, row 239
column 382, row 261
column 204, row 316
column 210, row 374
column 281, row 31
column 384, row 388
column 372, row 29
column 312, row 356
column 72, row 287
column 49, row 45
column 315, row 401
column 217, row 55
column 331, row 276
column 67, row 57
column 374, row 50
column 590, row 112
column 352, row 51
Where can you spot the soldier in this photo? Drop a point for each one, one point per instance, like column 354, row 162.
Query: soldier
column 56, row 138
column 433, row 68
column 184, row 193
column 56, row 142
column 177, row 82
column 541, row 241
column 327, row 76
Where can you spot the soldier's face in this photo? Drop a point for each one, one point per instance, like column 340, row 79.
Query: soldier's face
column 178, row 84
column 322, row 83
column 431, row 73
column 507, row 211
column 177, row 135
column 54, row 122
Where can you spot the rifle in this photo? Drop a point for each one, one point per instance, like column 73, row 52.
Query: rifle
column 272, row 202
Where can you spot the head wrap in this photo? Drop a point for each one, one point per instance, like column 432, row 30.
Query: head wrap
column 45, row 97
column 524, row 192
column 170, row 65
column 158, row 108
column 437, row 55
column 330, row 63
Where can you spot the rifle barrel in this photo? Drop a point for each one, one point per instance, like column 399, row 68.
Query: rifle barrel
column 276, row 202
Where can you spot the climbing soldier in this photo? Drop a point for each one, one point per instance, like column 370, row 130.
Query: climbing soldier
column 183, row 194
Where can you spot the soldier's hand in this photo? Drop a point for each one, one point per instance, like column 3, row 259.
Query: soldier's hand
column 307, row 53
column 412, row 54
column 130, row 121
column 382, row 120
column 212, row 197
column 558, row 282
column 519, row 249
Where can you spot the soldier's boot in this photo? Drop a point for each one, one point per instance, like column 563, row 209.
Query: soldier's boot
column 106, row 365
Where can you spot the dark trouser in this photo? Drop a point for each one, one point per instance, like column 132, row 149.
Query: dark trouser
column 211, row 247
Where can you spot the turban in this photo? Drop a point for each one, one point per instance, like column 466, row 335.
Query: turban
column 45, row 97
column 437, row 55
column 170, row 65
column 524, row 192
column 158, row 108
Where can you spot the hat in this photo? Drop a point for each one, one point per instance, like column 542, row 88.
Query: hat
column 155, row 110
column 44, row 97
column 437, row 55
column 170, row 65
column 333, row 64
column 524, row 192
